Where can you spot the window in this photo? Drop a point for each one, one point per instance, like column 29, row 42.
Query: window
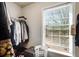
column 57, row 28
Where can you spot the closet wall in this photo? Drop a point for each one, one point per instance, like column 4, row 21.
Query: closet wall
column 13, row 9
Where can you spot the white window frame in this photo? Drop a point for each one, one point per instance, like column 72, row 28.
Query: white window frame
column 71, row 40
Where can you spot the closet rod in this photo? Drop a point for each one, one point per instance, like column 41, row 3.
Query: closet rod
column 23, row 17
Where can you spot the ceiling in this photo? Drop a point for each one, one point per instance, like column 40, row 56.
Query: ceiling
column 23, row 4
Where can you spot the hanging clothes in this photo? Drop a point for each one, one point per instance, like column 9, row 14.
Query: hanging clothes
column 19, row 32
column 24, row 33
column 6, row 49
column 15, row 32
column 23, row 20
column 25, row 30
column 12, row 34
column 19, row 35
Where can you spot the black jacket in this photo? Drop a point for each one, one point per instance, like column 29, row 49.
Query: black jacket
column 4, row 32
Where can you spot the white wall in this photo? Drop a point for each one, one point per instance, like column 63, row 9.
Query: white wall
column 13, row 9
column 33, row 13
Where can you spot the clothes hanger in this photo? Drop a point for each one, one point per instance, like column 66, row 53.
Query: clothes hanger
column 23, row 17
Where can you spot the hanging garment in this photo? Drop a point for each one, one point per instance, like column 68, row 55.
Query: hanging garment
column 4, row 31
column 77, row 32
column 6, row 49
column 19, row 29
column 24, row 34
column 24, row 38
column 27, row 29
column 12, row 34
column 17, row 33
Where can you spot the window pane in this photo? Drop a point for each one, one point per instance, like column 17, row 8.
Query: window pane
column 65, row 41
column 55, row 40
column 64, row 32
column 57, row 26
